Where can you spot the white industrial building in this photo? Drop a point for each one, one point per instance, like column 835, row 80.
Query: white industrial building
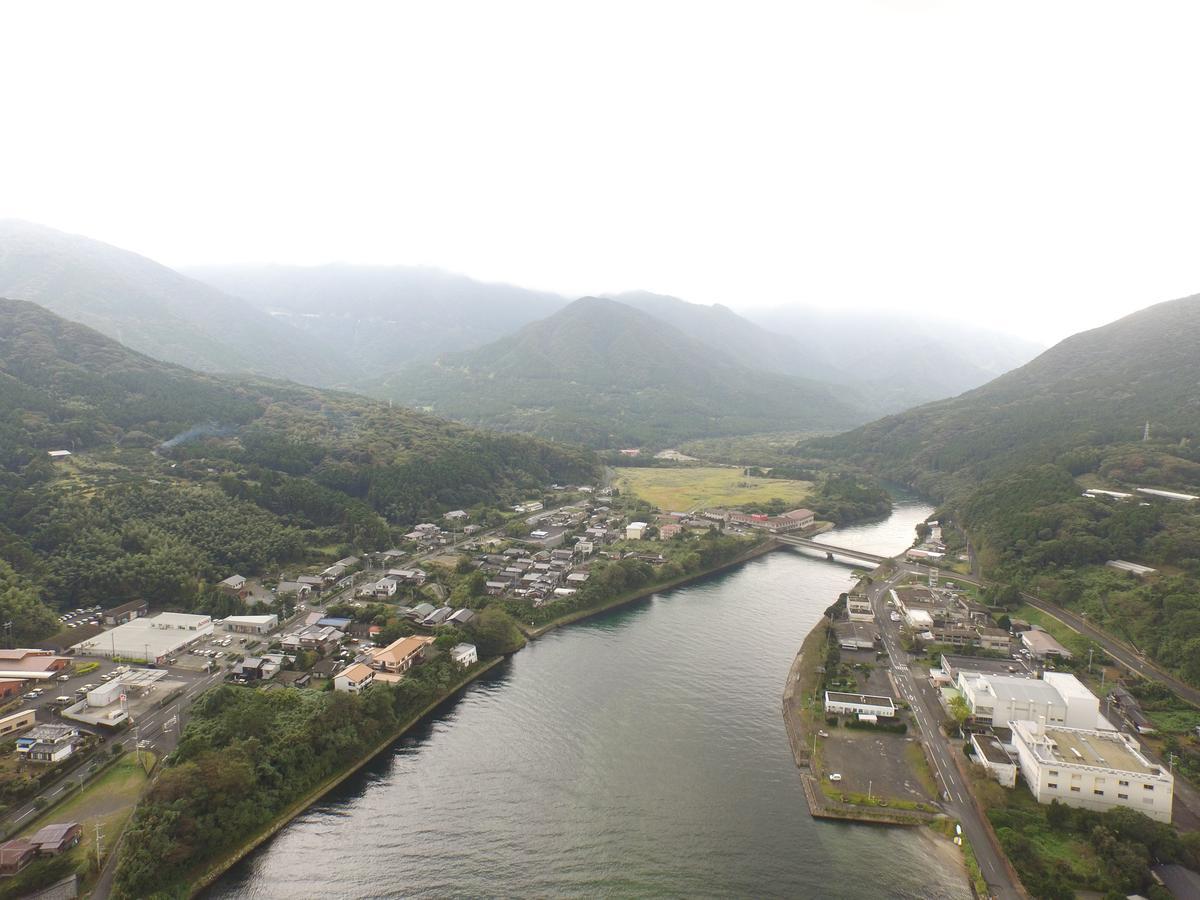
column 151, row 638
column 843, row 704
column 1092, row 769
column 858, row 607
column 252, row 624
column 990, row 754
column 1059, row 699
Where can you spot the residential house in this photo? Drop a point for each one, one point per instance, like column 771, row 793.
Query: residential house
column 57, row 838
column 420, row 611
column 354, row 679
column 48, row 743
column 437, row 617
column 16, row 855
column 400, row 655
column 462, row 617
column 385, row 587
column 325, row 668
column 635, row 531
column 464, row 655
column 235, row 585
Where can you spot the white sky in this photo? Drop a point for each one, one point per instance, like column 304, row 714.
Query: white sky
column 1029, row 166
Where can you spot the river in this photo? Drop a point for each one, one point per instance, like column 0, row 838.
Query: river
column 640, row 753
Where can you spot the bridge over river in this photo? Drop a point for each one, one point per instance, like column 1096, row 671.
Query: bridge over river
column 856, row 557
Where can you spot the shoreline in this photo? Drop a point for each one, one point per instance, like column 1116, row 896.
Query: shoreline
column 760, row 549
column 284, row 818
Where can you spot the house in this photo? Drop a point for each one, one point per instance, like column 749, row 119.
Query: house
column 838, row 703
column 666, row 532
column 1042, row 645
column 58, row 455
column 48, row 743
column 354, row 679
column 341, row 623
column 57, row 838
column 252, row 624
column 635, row 530
column 119, row 615
column 234, row 585
column 496, row 588
column 16, row 855
column 325, row 668
column 802, row 517
column 420, row 611
column 584, row 548
column 333, row 573
column 456, row 515
column 254, row 668
column 437, row 617
column 314, row 582
column 293, row 587
column 577, row 578
column 462, row 617
column 17, row 721
column 400, row 655
column 1091, row 769
column 385, row 587
column 464, row 655
column 312, row 637
column 294, row 679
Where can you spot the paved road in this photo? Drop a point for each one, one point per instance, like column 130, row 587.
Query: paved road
column 926, row 708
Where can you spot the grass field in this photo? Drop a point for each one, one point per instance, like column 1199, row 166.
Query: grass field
column 683, row 490
column 107, row 801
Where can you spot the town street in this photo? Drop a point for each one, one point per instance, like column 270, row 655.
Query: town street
column 926, row 709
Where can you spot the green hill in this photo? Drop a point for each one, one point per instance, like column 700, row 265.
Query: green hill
column 178, row 478
column 1010, row 461
column 1091, row 391
column 151, row 308
column 604, row 374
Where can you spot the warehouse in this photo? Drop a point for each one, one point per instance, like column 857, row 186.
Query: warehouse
column 838, row 703
column 151, row 639
column 252, row 624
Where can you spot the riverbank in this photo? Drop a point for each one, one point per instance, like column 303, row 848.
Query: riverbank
column 291, row 812
column 759, row 549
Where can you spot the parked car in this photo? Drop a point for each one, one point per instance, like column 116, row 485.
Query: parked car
column 836, row 776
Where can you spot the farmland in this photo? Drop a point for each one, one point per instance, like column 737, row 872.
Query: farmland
column 686, row 489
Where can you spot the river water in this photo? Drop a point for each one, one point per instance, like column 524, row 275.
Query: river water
column 640, row 753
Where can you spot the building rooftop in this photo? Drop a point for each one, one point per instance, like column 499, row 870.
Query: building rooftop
column 1079, row 747
column 356, row 672
column 1042, row 643
column 869, row 699
column 984, row 665
column 992, row 750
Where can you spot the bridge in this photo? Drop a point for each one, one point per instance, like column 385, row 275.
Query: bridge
column 857, row 557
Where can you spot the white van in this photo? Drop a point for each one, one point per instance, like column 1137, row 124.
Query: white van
column 63, row 701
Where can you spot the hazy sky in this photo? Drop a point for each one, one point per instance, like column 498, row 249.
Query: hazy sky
column 1031, row 166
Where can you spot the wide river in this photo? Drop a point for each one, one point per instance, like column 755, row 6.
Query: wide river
column 639, row 753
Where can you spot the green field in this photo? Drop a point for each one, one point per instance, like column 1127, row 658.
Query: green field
column 683, row 490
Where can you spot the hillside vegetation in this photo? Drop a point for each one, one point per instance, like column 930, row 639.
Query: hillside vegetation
column 261, row 473
column 1011, row 459
column 151, row 308
column 606, row 375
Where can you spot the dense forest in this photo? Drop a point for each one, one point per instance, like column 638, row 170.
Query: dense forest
column 606, row 375
column 177, row 479
column 244, row 757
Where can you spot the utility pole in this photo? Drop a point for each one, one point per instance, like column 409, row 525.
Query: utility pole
column 870, row 785
column 99, row 843
column 1091, row 650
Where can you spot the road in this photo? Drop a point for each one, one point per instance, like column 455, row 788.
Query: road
column 926, row 709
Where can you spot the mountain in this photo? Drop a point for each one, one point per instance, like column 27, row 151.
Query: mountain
column 378, row 317
column 899, row 361
column 151, row 308
column 1091, row 390
column 177, row 477
column 720, row 327
column 605, row 374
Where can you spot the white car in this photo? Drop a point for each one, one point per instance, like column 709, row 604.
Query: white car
column 836, row 776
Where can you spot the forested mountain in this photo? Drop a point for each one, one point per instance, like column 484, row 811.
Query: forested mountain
column 378, row 317
column 605, row 374
column 1011, row 459
column 179, row 478
column 1093, row 390
column 151, row 308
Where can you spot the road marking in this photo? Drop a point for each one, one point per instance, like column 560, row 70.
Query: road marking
column 23, row 815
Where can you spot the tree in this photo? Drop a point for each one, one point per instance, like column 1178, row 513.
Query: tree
column 496, row 633
column 959, row 710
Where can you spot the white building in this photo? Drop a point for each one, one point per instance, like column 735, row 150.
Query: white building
column 635, row 530
column 150, row 638
column 1057, row 700
column 843, row 704
column 1092, row 769
column 918, row 619
column 354, row 679
column 859, row 608
column 252, row 624
column 990, row 754
column 464, row 655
